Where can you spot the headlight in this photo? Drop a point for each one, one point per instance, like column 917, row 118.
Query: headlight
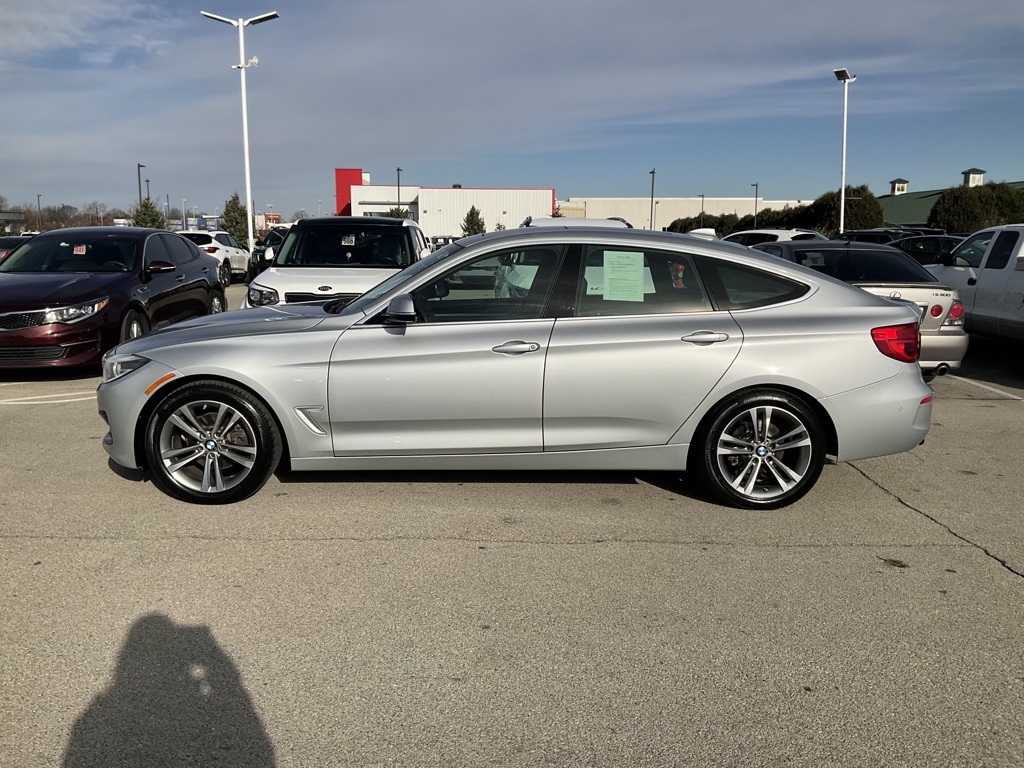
column 261, row 297
column 74, row 313
column 115, row 366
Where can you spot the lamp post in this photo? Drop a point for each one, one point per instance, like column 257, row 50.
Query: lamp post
column 843, row 75
column 184, row 215
column 39, row 213
column 702, row 211
column 138, row 170
column 756, row 188
column 399, row 172
column 318, row 211
column 147, row 189
column 270, row 213
column 652, row 197
column 241, row 24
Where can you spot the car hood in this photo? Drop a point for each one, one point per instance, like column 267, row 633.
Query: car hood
column 313, row 279
column 233, row 324
column 24, row 291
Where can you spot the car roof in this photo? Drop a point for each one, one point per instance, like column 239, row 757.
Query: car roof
column 93, row 232
column 831, row 245
column 366, row 221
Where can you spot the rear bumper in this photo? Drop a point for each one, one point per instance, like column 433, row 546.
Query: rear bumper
column 943, row 349
column 889, row 417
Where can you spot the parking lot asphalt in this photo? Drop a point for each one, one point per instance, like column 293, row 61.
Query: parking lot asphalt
column 514, row 618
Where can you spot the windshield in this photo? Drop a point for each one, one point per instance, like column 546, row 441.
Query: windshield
column 199, row 238
column 397, row 279
column 78, row 253
column 346, row 245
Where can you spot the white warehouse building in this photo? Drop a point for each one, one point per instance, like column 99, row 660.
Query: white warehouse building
column 440, row 211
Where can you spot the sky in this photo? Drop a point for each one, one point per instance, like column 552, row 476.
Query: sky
column 583, row 97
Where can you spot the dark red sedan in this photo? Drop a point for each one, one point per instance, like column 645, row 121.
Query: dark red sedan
column 69, row 295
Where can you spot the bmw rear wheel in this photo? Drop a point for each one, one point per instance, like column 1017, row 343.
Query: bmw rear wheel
column 762, row 449
column 210, row 442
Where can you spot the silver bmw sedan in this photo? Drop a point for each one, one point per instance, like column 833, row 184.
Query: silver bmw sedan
column 547, row 348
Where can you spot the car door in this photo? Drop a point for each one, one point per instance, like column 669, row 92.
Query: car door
column 995, row 304
column 643, row 349
column 963, row 274
column 467, row 377
column 192, row 276
column 159, row 292
column 237, row 255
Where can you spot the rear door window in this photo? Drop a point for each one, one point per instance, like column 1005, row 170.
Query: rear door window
column 620, row 280
column 1002, row 249
column 882, row 267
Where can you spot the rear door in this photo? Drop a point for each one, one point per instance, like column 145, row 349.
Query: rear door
column 999, row 294
column 643, row 349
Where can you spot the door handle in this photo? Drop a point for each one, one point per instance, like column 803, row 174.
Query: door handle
column 704, row 337
column 516, row 347
column 180, row 278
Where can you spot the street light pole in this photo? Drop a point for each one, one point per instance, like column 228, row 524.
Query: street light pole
column 241, row 24
column 184, row 216
column 138, row 170
column 843, row 75
column 756, row 188
column 652, row 198
column 147, row 189
column 702, row 211
column 399, row 172
column 318, row 212
column 39, row 213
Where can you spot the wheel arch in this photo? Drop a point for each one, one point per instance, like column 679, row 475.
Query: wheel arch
column 139, row 434
column 827, row 424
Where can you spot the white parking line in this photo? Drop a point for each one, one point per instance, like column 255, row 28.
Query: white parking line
column 68, row 397
column 988, row 388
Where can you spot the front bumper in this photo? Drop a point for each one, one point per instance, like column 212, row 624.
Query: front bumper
column 121, row 404
column 56, row 345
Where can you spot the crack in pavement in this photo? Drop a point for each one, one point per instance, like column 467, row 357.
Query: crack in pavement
column 938, row 522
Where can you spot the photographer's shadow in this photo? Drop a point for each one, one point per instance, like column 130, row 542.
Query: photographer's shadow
column 176, row 699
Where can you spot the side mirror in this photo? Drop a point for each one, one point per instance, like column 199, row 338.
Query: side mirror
column 268, row 254
column 158, row 267
column 401, row 310
column 945, row 259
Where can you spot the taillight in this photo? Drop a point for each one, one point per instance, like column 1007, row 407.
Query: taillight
column 956, row 314
column 900, row 342
column 210, row 249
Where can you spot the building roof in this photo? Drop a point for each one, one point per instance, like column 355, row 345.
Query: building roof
column 911, row 209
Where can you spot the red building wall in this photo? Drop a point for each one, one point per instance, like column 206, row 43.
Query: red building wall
column 344, row 180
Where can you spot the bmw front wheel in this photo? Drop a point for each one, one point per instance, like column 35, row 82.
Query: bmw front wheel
column 761, row 450
column 211, row 443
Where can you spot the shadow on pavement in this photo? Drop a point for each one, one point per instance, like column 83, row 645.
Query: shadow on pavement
column 993, row 361
column 176, row 699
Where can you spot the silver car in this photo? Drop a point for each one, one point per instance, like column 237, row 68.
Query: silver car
column 619, row 349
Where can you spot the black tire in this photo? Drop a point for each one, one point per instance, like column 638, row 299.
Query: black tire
column 210, row 442
column 762, row 449
column 217, row 302
column 133, row 325
column 225, row 273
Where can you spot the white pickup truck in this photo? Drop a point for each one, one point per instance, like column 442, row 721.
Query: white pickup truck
column 987, row 269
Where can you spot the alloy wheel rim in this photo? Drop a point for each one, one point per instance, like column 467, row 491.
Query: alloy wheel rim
column 207, row 446
column 764, row 452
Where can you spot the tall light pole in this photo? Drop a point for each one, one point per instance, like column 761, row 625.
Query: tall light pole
column 843, row 75
column 39, row 213
column 318, row 212
column 184, row 215
column 756, row 188
column 241, row 24
column 138, row 170
column 652, row 198
column 702, row 211
column 147, row 189
column 399, row 172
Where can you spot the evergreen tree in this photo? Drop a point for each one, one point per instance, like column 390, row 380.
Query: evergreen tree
column 233, row 220
column 557, row 213
column 148, row 215
column 398, row 212
column 473, row 224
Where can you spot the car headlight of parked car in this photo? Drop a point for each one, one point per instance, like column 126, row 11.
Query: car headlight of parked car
column 74, row 313
column 262, row 297
column 115, row 366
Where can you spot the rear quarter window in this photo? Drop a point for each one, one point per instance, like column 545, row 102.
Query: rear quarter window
column 737, row 286
column 882, row 267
